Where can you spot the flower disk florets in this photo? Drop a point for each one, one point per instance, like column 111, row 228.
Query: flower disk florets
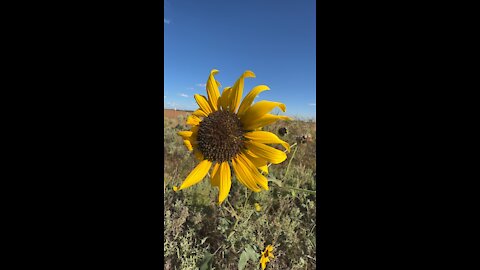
column 220, row 136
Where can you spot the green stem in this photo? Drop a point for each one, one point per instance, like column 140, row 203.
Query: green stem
column 290, row 162
column 246, row 199
column 217, row 249
column 251, row 213
column 233, row 210
column 237, row 218
column 299, row 189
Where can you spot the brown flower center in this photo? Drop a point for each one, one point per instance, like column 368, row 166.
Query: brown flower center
column 220, row 136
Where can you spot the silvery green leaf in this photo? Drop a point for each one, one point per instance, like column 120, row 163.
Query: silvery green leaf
column 242, row 262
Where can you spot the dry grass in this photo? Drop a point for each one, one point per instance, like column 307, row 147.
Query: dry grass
column 195, row 227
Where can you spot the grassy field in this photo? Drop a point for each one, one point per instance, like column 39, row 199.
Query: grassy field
column 199, row 233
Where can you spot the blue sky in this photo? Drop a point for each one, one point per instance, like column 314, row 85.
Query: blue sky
column 276, row 39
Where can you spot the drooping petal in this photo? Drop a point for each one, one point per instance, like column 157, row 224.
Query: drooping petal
column 243, row 174
column 237, row 91
column 223, row 100
column 259, row 109
column 200, row 113
column 203, row 103
column 254, row 173
column 269, row 153
column 265, row 120
column 212, row 90
column 266, row 137
column 197, row 174
column 224, row 181
column 193, row 120
column 215, row 179
column 188, row 144
column 248, row 100
column 264, row 169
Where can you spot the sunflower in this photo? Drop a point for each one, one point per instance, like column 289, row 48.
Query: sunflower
column 226, row 133
column 266, row 255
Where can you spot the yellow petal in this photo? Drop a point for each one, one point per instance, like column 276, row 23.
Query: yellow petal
column 225, row 182
column 212, row 90
column 259, row 109
column 200, row 113
column 190, row 136
column 259, row 162
column 192, row 139
column 197, row 174
column 193, row 120
column 185, row 134
column 264, row 121
column 243, row 173
column 188, row 144
column 266, row 137
column 215, row 179
column 264, row 169
column 203, row 103
column 194, row 131
column 250, row 153
column 248, row 100
column 253, row 171
column 237, row 91
column 223, row 100
column 269, row 153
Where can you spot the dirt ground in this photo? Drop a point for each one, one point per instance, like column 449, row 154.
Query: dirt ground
column 175, row 113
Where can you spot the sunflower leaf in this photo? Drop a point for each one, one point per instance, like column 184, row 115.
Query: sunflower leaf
column 206, row 263
column 276, row 181
column 251, row 253
column 242, row 262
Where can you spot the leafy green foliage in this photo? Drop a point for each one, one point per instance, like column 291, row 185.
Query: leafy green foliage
column 244, row 257
column 206, row 263
column 247, row 255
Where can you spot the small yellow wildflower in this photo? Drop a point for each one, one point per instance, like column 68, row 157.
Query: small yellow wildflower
column 258, row 207
column 265, row 256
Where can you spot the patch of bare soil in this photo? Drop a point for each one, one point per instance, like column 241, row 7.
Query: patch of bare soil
column 175, row 113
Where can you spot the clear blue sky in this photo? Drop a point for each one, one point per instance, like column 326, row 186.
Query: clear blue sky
column 276, row 39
